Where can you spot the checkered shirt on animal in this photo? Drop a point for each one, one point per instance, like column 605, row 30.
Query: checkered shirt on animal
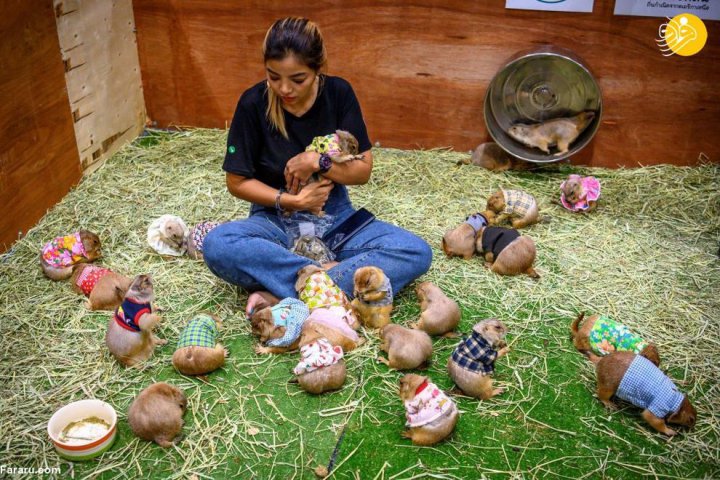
column 290, row 313
column 475, row 354
column 517, row 202
column 201, row 331
column 608, row 336
column 89, row 277
column 646, row 386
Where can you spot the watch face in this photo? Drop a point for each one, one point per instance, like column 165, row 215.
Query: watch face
column 325, row 163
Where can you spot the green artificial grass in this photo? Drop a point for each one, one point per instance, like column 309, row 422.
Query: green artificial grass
column 647, row 257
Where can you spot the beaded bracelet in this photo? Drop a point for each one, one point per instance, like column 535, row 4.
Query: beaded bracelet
column 277, row 200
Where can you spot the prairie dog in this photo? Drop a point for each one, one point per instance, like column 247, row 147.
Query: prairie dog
column 317, row 290
column 373, row 297
column 156, row 413
column 279, row 326
column 431, row 416
column 340, row 146
column 506, row 252
column 473, row 361
column 168, row 235
column 600, row 335
column 439, row 315
column 59, row 255
column 197, row 353
column 333, row 324
column 129, row 335
column 517, row 206
column 196, row 238
column 460, row 241
column 406, row 348
column 321, row 367
column 491, row 156
column 560, row 132
column 580, row 194
column 104, row 288
column 636, row 380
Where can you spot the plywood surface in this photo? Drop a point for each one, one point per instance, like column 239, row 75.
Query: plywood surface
column 421, row 69
column 99, row 51
column 38, row 155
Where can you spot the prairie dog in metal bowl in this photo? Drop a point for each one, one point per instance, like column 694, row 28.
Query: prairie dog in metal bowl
column 506, row 252
column 104, row 288
column 473, row 361
column 560, row 132
column 59, row 255
column 431, row 415
column 439, row 315
column 156, row 413
column 130, row 335
column 406, row 348
column 636, row 380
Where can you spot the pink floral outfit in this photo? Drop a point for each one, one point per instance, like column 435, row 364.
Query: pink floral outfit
column 590, row 193
column 64, row 251
column 429, row 404
column 317, row 354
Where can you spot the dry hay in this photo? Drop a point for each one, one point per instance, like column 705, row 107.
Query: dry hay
column 648, row 257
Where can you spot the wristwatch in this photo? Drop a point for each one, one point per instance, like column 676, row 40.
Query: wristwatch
column 324, row 162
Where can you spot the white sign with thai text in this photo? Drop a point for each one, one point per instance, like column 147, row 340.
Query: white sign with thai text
column 552, row 5
column 705, row 9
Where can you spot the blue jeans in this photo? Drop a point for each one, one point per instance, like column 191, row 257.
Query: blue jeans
column 254, row 253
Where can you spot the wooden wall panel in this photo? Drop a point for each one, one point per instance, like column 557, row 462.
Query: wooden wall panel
column 38, row 155
column 421, row 68
column 99, row 51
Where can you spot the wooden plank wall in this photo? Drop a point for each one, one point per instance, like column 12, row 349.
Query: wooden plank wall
column 99, row 52
column 38, row 155
column 420, row 69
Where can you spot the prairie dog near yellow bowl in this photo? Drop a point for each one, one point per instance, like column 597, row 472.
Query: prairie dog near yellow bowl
column 156, row 413
column 473, row 361
column 431, row 415
column 439, row 315
column 406, row 348
column 59, row 255
column 560, row 132
column 506, row 252
column 197, row 353
column 103, row 288
column 517, row 206
column 130, row 336
column 373, row 300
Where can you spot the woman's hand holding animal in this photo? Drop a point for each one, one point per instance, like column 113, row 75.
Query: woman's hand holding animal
column 298, row 170
column 312, row 197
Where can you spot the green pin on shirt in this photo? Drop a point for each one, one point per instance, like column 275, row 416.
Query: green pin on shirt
column 231, row 149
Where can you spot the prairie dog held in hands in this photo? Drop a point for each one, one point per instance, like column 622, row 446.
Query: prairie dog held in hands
column 156, row 413
column 431, row 415
column 506, row 252
column 373, row 301
column 600, row 335
column 129, row 335
column 196, row 352
column 636, row 380
column 560, row 132
column 59, row 255
column 340, row 146
column 104, row 288
column 473, row 361
column 439, row 315
column 515, row 205
column 406, row 348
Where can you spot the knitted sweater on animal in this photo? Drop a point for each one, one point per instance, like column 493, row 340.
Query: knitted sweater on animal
column 200, row 332
column 646, row 386
column 129, row 312
column 429, row 404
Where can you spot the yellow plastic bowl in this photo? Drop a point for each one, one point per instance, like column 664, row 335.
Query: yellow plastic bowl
column 78, row 411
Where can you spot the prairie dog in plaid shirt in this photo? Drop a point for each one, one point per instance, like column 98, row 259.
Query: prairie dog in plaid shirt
column 473, row 360
column 516, row 205
column 197, row 353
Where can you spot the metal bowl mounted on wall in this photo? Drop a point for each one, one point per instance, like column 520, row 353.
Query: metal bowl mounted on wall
column 536, row 86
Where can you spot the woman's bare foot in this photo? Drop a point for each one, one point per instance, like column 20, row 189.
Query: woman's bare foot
column 258, row 300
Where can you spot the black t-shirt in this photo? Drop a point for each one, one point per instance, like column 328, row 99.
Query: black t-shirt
column 495, row 239
column 257, row 150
